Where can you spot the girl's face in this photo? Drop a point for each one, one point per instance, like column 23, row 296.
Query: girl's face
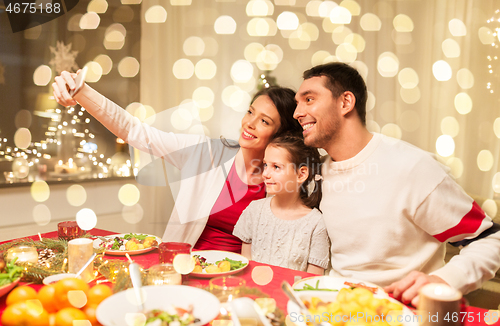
column 280, row 175
column 259, row 124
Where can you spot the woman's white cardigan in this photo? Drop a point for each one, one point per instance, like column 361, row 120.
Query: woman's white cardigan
column 203, row 162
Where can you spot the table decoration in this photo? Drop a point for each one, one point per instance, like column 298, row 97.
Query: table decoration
column 79, row 252
column 163, row 274
column 168, row 250
column 225, row 288
column 437, row 302
column 24, row 254
column 69, row 230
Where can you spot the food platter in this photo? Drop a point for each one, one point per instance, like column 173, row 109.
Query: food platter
column 7, row 287
column 98, row 243
column 121, row 309
column 213, row 256
column 335, row 284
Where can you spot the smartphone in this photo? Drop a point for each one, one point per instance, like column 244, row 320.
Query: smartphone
column 79, row 81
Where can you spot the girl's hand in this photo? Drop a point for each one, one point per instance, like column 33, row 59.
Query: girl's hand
column 62, row 84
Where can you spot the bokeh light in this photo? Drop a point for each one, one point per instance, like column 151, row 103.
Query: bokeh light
column 372, row 126
column 457, row 27
column 132, row 214
column 325, row 8
column 490, row 207
column 123, row 14
column 410, row 96
column 319, row 57
column 41, row 214
column 357, row 41
column 362, row 68
column 115, row 34
column 401, row 38
column 156, row 15
column 370, row 23
column 486, row 35
column 441, row 70
column 308, row 31
column 241, row 71
column 97, row 6
column 128, row 67
column 287, row 21
column 346, row 53
column 388, row 64
column 194, row 46
column 340, row 15
column 495, row 183
column 42, row 75
column 450, row 48
column 236, row 98
column 352, row 6
column 22, row 138
column 205, row 69
column 340, row 34
column 77, row 298
column 463, row 103
column 86, row 219
column 252, row 50
column 184, row 263
column 20, row 167
column 450, row 126
column 40, row 191
column 225, row 25
column 408, row 78
column 183, row 69
column 392, row 130
column 74, row 23
column 259, row 8
column 312, row 8
column 402, row 23
column 180, row 2
column 94, row 72
column 465, row 78
column 90, row 20
column 105, row 62
column 262, row 275
column 262, row 27
column 181, row 119
column 496, row 127
column 129, row 194
column 203, row 97
column 456, row 165
column 297, row 43
column 485, row 160
column 267, row 60
column 76, row 195
column 33, row 33
column 445, row 145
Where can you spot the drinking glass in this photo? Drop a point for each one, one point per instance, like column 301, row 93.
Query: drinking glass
column 69, row 230
column 225, row 288
column 162, row 274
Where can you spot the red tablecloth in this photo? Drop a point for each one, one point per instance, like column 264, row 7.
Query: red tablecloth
column 273, row 289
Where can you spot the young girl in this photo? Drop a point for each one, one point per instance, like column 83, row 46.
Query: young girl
column 287, row 229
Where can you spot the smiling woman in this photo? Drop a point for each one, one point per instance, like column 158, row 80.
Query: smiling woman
column 210, row 199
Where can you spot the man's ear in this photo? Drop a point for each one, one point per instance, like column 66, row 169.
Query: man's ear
column 348, row 102
column 302, row 174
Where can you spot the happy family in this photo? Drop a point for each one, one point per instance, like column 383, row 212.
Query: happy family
column 375, row 208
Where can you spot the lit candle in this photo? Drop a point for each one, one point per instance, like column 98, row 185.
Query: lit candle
column 436, row 300
column 23, row 253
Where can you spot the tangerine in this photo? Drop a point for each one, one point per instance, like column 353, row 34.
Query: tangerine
column 21, row 293
column 46, row 295
column 98, row 293
column 90, row 311
column 66, row 316
column 15, row 314
column 65, row 285
column 37, row 316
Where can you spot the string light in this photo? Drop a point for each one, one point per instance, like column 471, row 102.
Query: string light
column 493, row 60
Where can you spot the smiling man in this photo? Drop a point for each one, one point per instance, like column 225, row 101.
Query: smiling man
column 389, row 207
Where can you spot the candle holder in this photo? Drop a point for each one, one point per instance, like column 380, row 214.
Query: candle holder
column 168, row 250
column 79, row 252
column 25, row 254
column 163, row 274
column 436, row 300
column 69, row 230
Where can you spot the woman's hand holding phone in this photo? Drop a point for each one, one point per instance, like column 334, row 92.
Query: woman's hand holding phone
column 62, row 86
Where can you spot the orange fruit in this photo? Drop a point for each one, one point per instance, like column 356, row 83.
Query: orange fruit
column 52, row 319
column 66, row 316
column 65, row 285
column 36, row 315
column 90, row 311
column 98, row 293
column 21, row 293
column 15, row 314
column 46, row 295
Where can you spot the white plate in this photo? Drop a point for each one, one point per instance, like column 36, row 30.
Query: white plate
column 57, row 277
column 113, row 310
column 337, row 283
column 98, row 241
column 215, row 255
column 334, row 283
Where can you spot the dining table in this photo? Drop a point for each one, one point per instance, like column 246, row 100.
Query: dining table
column 270, row 285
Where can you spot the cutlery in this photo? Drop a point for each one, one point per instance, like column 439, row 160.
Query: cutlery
column 290, row 293
column 135, row 277
column 91, row 259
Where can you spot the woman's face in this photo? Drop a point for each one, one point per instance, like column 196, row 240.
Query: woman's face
column 259, row 124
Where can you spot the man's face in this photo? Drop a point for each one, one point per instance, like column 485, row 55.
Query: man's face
column 318, row 112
